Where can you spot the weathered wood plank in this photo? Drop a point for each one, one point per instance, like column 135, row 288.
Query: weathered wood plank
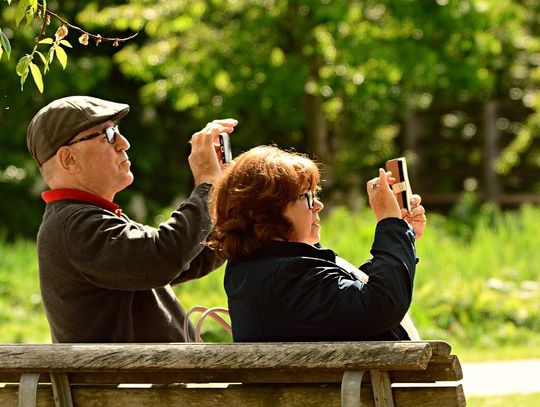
column 438, row 369
column 169, row 357
column 256, row 396
column 28, row 389
column 450, row 396
column 61, row 390
column 440, row 349
column 351, row 386
column 382, row 392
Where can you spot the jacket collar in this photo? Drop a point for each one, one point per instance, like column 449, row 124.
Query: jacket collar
column 295, row 249
column 76, row 195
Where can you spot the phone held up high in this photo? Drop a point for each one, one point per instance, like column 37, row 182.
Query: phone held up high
column 225, row 146
column 402, row 186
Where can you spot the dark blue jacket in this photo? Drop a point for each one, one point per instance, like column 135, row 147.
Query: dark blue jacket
column 296, row 292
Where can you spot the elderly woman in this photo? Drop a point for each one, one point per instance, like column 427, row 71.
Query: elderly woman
column 280, row 283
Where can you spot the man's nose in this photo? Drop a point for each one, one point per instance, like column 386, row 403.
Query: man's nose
column 122, row 143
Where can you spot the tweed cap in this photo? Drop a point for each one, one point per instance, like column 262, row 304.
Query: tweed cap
column 61, row 120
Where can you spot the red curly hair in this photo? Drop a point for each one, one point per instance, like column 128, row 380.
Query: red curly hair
column 247, row 203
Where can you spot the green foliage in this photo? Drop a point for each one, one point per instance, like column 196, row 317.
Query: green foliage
column 339, row 80
column 480, row 291
column 5, row 46
column 22, row 317
column 332, row 77
column 530, row 399
column 33, row 10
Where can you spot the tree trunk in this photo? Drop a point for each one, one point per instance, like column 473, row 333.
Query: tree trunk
column 411, row 135
column 492, row 187
column 317, row 136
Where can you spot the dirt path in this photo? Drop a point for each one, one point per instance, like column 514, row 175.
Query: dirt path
column 494, row 378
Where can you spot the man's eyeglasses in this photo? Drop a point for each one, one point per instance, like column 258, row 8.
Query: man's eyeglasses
column 109, row 132
column 310, row 197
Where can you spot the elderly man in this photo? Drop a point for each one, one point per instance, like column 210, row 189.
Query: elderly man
column 104, row 277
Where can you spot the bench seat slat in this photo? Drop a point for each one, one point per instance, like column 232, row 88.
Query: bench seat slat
column 258, row 395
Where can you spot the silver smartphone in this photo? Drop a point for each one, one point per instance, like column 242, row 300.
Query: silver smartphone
column 225, row 146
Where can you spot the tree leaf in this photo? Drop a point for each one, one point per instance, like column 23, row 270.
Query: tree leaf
column 1, row 51
column 50, row 54
column 61, row 55
column 29, row 16
column 46, row 41
column 36, row 74
column 6, row 46
column 43, row 58
column 22, row 8
column 22, row 65
column 23, row 78
column 66, row 43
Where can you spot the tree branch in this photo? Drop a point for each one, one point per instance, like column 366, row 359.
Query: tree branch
column 97, row 37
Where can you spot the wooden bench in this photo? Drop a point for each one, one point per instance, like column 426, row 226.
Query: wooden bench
column 273, row 374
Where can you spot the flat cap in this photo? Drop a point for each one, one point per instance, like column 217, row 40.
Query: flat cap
column 61, row 120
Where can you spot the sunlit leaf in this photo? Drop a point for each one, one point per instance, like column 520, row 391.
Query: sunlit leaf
column 50, row 54
column 29, row 16
column 61, row 55
column 43, row 58
column 22, row 65
column 66, row 43
column 46, row 41
column 22, row 7
column 6, row 46
column 45, row 61
column 23, row 78
column 36, row 74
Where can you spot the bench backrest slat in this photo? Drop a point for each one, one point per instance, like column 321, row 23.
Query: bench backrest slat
column 172, row 357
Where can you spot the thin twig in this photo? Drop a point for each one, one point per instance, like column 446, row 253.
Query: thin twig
column 97, row 37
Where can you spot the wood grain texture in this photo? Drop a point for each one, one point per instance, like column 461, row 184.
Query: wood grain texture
column 438, row 369
column 235, row 396
column 382, row 392
column 276, row 374
column 340, row 356
column 440, row 349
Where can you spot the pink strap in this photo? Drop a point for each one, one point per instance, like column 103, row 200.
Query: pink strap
column 206, row 312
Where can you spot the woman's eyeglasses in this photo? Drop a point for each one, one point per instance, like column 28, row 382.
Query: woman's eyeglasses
column 310, row 197
column 109, row 132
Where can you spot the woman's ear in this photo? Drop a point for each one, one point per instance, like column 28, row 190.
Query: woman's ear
column 67, row 160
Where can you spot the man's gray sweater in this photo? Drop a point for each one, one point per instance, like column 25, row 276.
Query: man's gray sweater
column 106, row 278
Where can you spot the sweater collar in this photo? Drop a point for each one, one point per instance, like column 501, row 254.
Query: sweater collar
column 77, row 195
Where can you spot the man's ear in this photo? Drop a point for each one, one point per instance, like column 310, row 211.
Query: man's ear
column 67, row 159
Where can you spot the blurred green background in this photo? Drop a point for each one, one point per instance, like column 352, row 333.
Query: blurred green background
column 452, row 85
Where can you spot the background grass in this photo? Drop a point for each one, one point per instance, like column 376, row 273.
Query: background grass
column 477, row 283
column 514, row 400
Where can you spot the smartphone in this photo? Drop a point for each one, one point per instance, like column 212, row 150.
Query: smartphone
column 402, row 186
column 225, row 146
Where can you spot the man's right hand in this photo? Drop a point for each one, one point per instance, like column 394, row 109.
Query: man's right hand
column 203, row 160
